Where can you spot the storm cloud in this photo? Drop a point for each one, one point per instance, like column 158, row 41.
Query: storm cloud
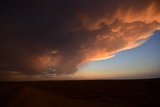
column 59, row 35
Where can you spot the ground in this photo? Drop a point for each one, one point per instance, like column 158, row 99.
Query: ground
column 93, row 93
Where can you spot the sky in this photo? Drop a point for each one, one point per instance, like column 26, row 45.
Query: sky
column 85, row 39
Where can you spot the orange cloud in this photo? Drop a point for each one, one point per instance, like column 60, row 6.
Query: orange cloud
column 127, row 27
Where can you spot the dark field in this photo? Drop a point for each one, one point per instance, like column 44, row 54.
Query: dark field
column 93, row 93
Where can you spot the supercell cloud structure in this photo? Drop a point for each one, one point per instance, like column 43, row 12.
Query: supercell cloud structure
column 59, row 35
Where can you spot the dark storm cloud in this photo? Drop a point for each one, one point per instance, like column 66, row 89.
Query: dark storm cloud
column 59, row 35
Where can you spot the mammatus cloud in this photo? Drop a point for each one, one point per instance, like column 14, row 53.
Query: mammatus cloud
column 59, row 36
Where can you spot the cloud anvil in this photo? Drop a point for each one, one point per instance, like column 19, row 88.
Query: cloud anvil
column 60, row 35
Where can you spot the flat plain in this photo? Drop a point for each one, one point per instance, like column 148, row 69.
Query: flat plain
column 81, row 93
